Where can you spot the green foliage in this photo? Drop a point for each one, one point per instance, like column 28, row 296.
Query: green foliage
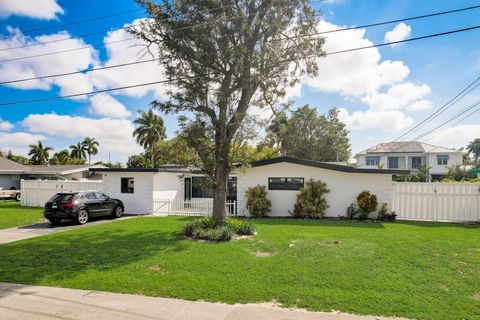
column 352, row 211
column 308, row 135
column 367, row 203
column 456, row 173
column 117, row 165
column 139, row 161
column 18, row 159
column 176, row 151
column 298, row 212
column 473, row 148
column 257, row 203
column 78, row 151
column 312, row 199
column 91, row 146
column 39, row 154
column 149, row 131
column 207, row 229
column 240, row 226
column 382, row 212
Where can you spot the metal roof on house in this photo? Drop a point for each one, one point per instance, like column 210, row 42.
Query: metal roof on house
column 327, row 165
column 407, row 147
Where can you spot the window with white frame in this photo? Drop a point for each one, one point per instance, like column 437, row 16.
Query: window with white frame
column 372, row 160
column 442, row 160
column 393, row 163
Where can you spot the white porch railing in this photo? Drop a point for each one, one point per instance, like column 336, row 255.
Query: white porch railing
column 197, row 207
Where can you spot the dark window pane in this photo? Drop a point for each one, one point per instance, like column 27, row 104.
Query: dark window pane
column 127, row 185
column 201, row 188
column 285, row 183
column 61, row 197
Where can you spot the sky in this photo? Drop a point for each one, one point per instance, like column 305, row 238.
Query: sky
column 381, row 93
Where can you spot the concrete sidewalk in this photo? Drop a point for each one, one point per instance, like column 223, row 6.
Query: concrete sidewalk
column 19, row 302
column 44, row 228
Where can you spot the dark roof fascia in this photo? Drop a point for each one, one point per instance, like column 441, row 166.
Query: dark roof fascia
column 153, row 170
column 328, row 166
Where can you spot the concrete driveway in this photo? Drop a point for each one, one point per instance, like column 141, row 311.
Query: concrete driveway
column 19, row 302
column 44, row 228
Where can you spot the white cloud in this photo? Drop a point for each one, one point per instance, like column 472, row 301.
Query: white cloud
column 46, row 65
column 399, row 96
column 18, row 142
column 5, row 125
column 129, row 51
column 389, row 121
column 40, row 9
column 105, row 105
column 354, row 73
column 114, row 135
column 455, row 137
column 400, row 32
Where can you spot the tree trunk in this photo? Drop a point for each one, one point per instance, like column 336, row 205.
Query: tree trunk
column 221, row 178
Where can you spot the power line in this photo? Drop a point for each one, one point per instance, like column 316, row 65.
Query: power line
column 472, row 86
column 327, row 54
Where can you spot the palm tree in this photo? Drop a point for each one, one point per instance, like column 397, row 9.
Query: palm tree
column 92, row 147
column 149, row 131
column 78, row 151
column 425, row 173
column 474, row 149
column 61, row 157
column 38, row 153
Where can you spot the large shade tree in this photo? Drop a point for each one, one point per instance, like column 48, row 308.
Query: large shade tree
column 149, row 131
column 91, row 146
column 39, row 154
column 223, row 57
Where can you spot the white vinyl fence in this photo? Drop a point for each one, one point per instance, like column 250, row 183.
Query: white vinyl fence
column 435, row 201
column 196, row 207
column 35, row 193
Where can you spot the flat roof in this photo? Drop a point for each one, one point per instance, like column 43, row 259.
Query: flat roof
column 327, row 165
column 154, row 170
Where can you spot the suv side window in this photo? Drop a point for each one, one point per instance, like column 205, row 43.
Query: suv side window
column 90, row 196
column 100, row 196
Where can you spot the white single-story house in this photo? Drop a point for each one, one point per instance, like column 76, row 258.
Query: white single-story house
column 11, row 172
column 284, row 176
column 410, row 155
column 149, row 191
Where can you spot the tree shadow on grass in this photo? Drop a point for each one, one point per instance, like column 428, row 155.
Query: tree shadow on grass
column 63, row 256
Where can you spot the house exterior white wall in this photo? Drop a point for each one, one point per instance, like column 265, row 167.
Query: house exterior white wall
column 168, row 186
column 344, row 187
column 138, row 202
column 455, row 159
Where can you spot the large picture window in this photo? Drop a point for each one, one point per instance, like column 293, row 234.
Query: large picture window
column 442, row 160
column 201, row 188
column 285, row 183
column 127, row 185
column 393, row 162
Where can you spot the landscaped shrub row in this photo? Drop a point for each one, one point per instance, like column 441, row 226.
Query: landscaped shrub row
column 207, row 229
column 311, row 203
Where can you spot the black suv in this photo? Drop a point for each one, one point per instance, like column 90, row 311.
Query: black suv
column 80, row 206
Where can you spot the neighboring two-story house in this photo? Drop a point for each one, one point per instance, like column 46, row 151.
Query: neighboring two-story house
column 410, row 155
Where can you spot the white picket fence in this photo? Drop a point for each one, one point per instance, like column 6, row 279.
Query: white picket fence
column 435, row 201
column 196, row 207
column 35, row 193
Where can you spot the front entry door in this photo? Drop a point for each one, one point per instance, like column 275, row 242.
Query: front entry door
column 188, row 189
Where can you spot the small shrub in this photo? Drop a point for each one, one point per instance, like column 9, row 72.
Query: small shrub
column 312, row 199
column 257, row 203
column 367, row 203
column 352, row 211
column 390, row 217
column 240, row 227
column 382, row 212
column 297, row 212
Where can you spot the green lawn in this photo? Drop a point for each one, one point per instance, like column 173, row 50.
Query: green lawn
column 12, row 215
column 414, row 270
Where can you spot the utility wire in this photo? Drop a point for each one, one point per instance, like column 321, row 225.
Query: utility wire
column 472, row 86
column 326, row 54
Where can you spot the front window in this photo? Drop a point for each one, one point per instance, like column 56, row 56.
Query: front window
column 201, row 187
column 372, row 161
column 285, row 183
column 442, row 160
column 416, row 162
column 127, row 185
column 393, row 162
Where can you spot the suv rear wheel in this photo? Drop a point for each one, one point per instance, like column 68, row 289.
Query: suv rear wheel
column 82, row 216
